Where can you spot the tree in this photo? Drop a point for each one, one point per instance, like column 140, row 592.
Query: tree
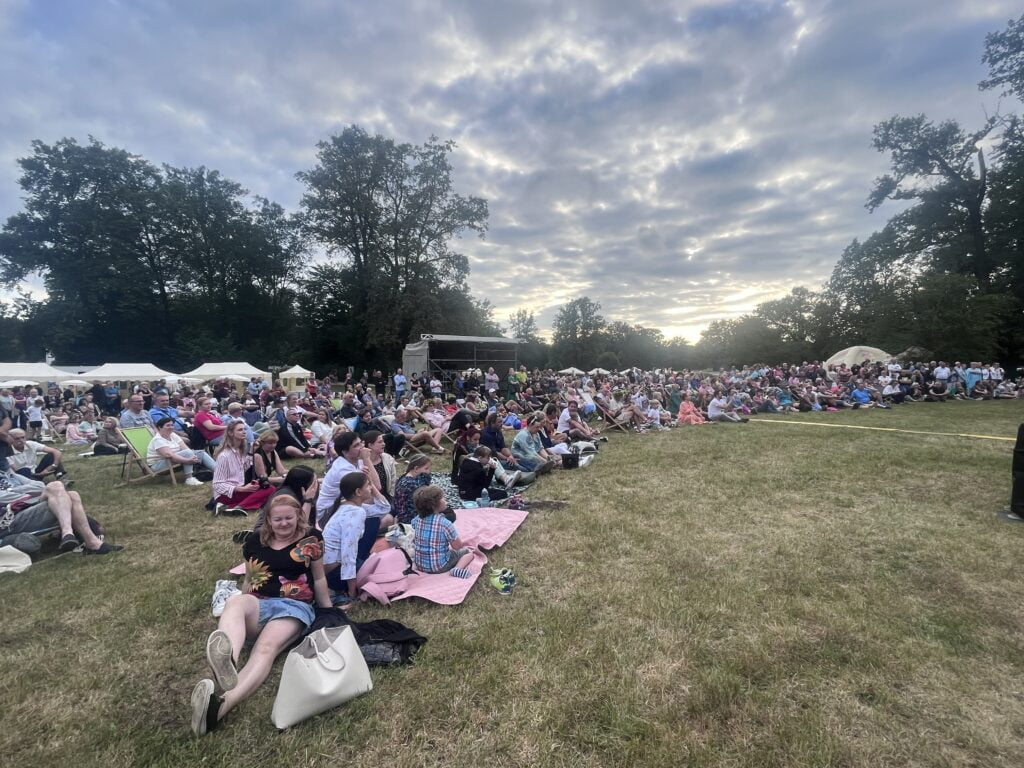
column 389, row 212
column 941, row 158
column 576, row 333
column 1004, row 54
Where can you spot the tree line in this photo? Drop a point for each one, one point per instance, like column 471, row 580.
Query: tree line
column 179, row 265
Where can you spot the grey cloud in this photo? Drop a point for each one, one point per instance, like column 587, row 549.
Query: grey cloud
column 637, row 153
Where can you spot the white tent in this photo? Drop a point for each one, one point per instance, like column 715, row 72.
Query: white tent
column 296, row 372
column 857, row 355
column 572, row 371
column 597, row 371
column 40, row 372
column 218, row 370
column 126, row 372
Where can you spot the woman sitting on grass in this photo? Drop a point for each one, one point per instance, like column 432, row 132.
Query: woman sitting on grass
column 231, row 491
column 284, row 576
column 74, row 435
column 265, row 461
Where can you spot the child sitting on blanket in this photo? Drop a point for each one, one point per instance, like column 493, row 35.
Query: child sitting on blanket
column 438, row 548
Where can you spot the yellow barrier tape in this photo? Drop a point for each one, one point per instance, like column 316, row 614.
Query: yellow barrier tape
column 881, row 429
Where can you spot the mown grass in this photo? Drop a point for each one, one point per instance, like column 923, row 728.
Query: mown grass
column 758, row 595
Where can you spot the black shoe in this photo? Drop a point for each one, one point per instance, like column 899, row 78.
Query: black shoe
column 205, row 706
column 68, row 542
column 102, row 549
column 239, row 537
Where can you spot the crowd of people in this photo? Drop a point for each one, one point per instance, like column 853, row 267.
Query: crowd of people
column 312, row 529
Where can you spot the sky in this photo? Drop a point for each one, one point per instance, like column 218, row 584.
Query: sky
column 677, row 162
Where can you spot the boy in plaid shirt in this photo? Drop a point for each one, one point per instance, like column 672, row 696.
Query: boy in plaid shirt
column 438, row 548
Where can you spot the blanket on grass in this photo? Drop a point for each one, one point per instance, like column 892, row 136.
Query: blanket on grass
column 479, row 529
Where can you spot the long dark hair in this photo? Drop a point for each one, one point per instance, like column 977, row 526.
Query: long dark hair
column 298, row 479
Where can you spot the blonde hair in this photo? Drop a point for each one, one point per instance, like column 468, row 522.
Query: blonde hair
column 301, row 521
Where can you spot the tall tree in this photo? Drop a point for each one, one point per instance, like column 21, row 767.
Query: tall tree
column 576, row 332
column 940, row 165
column 390, row 213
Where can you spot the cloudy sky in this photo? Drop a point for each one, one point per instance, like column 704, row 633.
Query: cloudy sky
column 677, row 162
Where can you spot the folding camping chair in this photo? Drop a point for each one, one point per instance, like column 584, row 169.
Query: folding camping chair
column 609, row 419
column 138, row 439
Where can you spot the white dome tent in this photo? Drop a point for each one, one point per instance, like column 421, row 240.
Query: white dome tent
column 857, row 355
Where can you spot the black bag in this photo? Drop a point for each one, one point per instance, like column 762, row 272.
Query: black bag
column 570, row 461
column 382, row 642
column 196, row 441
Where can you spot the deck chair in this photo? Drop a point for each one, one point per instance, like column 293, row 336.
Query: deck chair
column 609, row 419
column 138, row 439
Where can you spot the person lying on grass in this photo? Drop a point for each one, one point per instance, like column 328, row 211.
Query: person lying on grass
column 438, row 548
column 28, row 506
column 284, row 578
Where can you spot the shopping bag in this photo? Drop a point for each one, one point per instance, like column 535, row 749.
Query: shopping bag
column 324, row 670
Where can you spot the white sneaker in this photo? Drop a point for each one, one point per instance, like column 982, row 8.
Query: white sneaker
column 511, row 478
column 586, row 460
column 192, row 481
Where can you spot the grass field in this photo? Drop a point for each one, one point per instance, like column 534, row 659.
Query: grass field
column 735, row 595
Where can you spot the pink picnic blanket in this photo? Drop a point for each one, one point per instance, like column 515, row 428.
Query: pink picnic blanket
column 479, row 529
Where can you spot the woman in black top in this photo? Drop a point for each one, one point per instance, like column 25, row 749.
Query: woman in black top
column 284, row 578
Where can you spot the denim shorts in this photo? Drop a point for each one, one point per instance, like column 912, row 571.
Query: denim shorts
column 285, row 608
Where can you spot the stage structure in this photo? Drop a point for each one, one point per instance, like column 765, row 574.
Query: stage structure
column 448, row 355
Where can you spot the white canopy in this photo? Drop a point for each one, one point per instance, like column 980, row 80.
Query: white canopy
column 857, row 355
column 126, row 372
column 597, row 371
column 572, row 371
column 39, row 372
column 219, row 370
column 296, row 372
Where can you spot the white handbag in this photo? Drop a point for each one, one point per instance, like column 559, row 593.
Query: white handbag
column 324, row 670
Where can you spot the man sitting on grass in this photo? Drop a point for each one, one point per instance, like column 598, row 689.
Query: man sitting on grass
column 28, row 507
column 25, row 458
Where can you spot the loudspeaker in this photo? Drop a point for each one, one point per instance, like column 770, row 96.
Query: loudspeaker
column 1017, row 490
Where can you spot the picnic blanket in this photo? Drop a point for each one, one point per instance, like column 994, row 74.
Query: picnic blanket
column 479, row 529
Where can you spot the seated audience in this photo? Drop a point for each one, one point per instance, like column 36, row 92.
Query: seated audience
column 416, row 476
column 350, row 529
column 167, row 448
column 284, row 578
column 437, row 548
column 134, row 415
column 109, row 441
column 266, row 461
column 292, row 442
column 231, row 490
column 33, row 460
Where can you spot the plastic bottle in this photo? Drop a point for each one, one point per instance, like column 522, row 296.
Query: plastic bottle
column 485, row 499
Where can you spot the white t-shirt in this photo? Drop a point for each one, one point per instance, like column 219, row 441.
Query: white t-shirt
column 716, row 407
column 942, row 373
column 563, row 420
column 153, row 453
column 26, row 457
column 329, row 490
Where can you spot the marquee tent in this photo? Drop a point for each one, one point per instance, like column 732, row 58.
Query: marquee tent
column 127, row 372
column 296, row 372
column 290, row 377
column 857, row 355
column 39, row 372
column 572, row 371
column 597, row 371
column 218, row 370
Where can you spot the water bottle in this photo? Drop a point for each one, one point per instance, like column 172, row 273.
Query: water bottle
column 485, row 499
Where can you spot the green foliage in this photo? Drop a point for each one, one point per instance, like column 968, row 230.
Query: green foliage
column 1004, row 55
column 388, row 213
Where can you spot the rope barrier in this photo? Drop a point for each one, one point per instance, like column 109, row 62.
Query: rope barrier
column 881, row 429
